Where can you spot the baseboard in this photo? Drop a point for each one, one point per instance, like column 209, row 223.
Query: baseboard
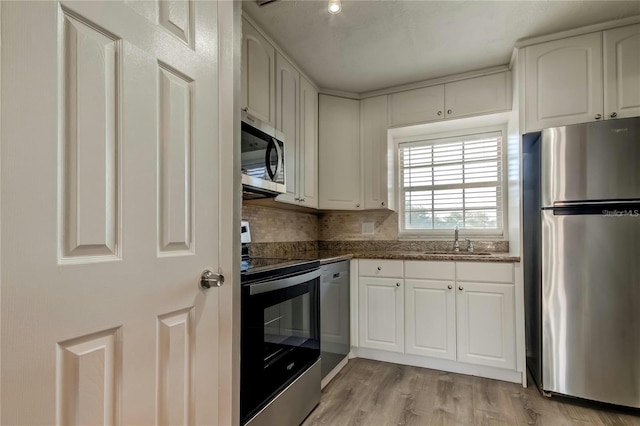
column 325, row 381
column 440, row 364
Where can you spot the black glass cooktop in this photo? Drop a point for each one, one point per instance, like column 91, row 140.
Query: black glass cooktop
column 264, row 268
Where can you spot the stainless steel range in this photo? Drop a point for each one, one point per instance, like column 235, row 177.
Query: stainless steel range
column 280, row 339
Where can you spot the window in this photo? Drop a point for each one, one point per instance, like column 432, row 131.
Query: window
column 452, row 181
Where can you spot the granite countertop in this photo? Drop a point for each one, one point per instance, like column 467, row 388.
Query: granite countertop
column 330, row 256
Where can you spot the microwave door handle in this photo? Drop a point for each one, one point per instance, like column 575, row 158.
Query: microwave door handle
column 272, row 145
column 280, row 161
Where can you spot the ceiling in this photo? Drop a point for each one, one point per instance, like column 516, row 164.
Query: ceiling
column 373, row 45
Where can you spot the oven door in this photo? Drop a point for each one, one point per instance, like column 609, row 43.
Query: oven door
column 280, row 337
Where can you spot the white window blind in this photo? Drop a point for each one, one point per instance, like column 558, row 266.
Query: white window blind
column 449, row 182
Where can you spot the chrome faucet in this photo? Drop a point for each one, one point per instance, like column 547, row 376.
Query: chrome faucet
column 469, row 245
column 456, row 243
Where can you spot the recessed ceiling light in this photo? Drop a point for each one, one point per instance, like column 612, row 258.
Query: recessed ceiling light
column 335, row 6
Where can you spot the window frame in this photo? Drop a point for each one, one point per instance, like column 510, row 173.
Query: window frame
column 447, row 234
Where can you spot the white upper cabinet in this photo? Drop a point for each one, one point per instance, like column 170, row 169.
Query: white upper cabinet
column 339, row 153
column 375, row 155
column 622, row 72
column 416, row 106
column 563, row 82
column 287, row 119
column 308, row 156
column 257, row 74
column 480, row 95
column 472, row 96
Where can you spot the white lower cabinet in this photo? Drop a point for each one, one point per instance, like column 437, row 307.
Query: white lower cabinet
column 427, row 309
column 486, row 324
column 381, row 313
column 430, row 312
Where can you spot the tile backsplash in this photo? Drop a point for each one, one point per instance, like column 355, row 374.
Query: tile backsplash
column 346, row 226
column 271, row 225
column 362, row 230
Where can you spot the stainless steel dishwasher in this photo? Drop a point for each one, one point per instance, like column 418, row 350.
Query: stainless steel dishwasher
column 334, row 315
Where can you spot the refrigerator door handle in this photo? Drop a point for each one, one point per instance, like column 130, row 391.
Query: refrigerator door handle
column 605, row 208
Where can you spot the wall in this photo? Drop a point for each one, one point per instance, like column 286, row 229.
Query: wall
column 271, row 225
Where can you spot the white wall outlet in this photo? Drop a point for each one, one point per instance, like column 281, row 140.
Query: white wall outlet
column 367, row 228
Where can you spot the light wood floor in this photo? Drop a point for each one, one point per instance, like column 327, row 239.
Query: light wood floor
column 373, row 393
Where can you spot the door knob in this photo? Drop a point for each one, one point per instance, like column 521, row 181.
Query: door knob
column 210, row 279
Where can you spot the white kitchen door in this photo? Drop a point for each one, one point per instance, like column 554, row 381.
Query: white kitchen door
column 110, row 176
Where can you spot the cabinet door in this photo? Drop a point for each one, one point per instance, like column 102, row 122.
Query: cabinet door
column 375, row 154
column 563, row 82
column 430, row 326
column 622, row 72
column 416, row 106
column 287, row 120
column 258, row 75
column 308, row 158
column 339, row 152
column 481, row 95
column 381, row 314
column 485, row 323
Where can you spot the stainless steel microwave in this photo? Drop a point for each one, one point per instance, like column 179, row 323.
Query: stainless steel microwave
column 262, row 159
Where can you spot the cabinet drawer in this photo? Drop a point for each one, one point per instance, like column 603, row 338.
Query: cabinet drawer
column 380, row 268
column 487, row 272
column 429, row 270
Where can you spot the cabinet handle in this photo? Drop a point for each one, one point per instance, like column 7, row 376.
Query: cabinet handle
column 449, row 286
column 449, row 111
column 598, row 116
column 613, row 115
column 460, row 288
column 439, row 112
column 397, row 284
column 379, row 268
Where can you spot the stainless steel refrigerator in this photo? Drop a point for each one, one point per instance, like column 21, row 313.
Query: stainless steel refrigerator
column 582, row 260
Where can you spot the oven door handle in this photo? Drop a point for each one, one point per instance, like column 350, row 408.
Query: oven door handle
column 283, row 283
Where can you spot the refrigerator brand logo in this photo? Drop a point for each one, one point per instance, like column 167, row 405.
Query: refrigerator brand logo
column 620, row 130
column 635, row 213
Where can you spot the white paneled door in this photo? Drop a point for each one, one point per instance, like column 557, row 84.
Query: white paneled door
column 110, row 213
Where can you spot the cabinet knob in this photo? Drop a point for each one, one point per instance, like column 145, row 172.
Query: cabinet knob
column 357, row 205
column 598, row 116
column 297, row 199
column 439, row 112
column 613, row 115
column 302, row 200
column 382, row 203
column 449, row 111
column 379, row 268
column 397, row 284
column 245, row 109
column 449, row 286
column 460, row 288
